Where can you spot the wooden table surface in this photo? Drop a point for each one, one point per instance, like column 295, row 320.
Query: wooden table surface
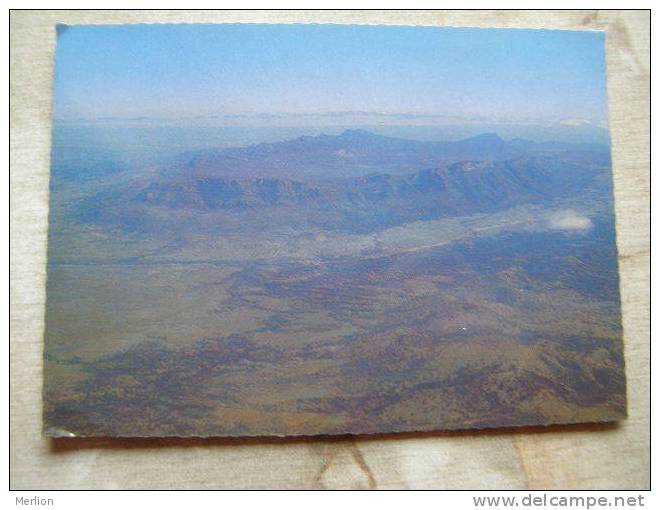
column 568, row 457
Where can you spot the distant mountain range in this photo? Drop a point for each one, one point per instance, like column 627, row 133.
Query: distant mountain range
column 459, row 187
column 493, row 175
column 357, row 152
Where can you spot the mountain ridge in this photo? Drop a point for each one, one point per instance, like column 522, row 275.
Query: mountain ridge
column 365, row 203
column 357, row 152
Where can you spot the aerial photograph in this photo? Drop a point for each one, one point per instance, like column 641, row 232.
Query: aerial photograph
column 325, row 229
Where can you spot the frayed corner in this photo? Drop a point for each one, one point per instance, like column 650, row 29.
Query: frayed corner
column 57, row 432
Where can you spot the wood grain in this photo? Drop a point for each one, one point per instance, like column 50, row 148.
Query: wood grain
column 586, row 456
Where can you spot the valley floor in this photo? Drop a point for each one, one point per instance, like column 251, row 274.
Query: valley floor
column 510, row 328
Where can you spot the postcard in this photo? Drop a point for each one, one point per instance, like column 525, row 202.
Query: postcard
column 280, row 230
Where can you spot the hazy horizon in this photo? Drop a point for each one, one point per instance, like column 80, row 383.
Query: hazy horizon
column 255, row 75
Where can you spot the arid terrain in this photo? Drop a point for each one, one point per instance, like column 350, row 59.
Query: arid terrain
column 354, row 283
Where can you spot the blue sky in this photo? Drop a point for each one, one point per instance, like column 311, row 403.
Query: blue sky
column 174, row 71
